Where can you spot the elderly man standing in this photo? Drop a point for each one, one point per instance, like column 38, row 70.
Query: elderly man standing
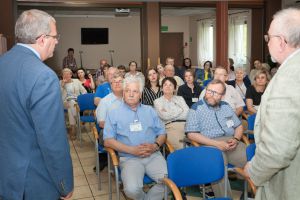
column 212, row 122
column 170, row 72
column 136, row 132
column 35, row 161
column 275, row 168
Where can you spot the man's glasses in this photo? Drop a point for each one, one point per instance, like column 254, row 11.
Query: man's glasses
column 268, row 37
column 53, row 36
column 213, row 93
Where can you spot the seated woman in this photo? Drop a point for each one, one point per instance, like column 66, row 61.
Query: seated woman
column 205, row 73
column 152, row 89
column 70, row 89
column 255, row 91
column 173, row 111
column 191, row 90
column 241, row 82
column 160, row 69
column 88, row 84
column 133, row 71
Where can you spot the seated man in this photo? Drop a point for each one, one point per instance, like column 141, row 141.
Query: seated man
column 231, row 96
column 212, row 122
column 104, row 89
column 136, row 132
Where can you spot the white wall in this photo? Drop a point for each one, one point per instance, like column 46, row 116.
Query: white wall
column 124, row 39
column 178, row 24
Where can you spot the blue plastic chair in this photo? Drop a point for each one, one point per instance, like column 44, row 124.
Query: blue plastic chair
column 195, row 166
column 85, row 102
column 250, row 121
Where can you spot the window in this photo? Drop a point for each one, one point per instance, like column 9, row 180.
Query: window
column 206, row 42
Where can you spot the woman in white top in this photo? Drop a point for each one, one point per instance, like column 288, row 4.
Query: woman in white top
column 173, row 111
column 133, row 71
column 70, row 89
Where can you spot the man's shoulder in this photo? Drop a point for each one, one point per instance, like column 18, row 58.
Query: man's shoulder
column 198, row 104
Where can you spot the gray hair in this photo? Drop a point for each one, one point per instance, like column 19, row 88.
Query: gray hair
column 288, row 24
column 31, row 24
column 240, row 69
column 133, row 79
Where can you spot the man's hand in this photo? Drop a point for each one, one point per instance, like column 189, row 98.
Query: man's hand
column 143, row 150
column 246, row 169
column 232, row 143
column 68, row 196
column 222, row 145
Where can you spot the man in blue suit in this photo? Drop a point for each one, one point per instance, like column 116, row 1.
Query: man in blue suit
column 35, row 160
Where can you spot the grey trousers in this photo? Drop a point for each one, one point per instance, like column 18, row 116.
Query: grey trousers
column 133, row 171
column 237, row 157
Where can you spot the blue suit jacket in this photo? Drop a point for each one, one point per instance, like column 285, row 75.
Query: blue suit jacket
column 35, row 160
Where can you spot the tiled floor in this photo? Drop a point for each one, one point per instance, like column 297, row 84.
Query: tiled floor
column 85, row 179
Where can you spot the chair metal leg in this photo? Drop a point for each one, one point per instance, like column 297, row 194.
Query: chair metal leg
column 245, row 190
column 226, row 180
column 98, row 167
column 109, row 176
column 117, row 183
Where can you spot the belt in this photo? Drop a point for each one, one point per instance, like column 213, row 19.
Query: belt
column 179, row 120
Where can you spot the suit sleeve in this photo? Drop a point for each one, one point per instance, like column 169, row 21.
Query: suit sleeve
column 279, row 136
column 48, row 117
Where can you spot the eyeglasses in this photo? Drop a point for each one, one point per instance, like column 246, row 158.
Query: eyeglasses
column 268, row 37
column 57, row 36
column 213, row 93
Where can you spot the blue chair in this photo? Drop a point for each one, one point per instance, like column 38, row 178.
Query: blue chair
column 85, row 102
column 194, row 166
column 250, row 130
column 206, row 82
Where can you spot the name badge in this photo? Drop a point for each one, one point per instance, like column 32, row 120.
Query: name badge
column 229, row 123
column 195, row 99
column 136, row 126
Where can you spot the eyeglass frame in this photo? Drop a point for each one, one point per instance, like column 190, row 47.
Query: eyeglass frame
column 213, row 93
column 268, row 37
column 57, row 36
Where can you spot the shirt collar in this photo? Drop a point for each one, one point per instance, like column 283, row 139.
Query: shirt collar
column 29, row 47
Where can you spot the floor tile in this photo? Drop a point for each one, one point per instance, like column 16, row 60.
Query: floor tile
column 78, row 171
column 80, row 181
column 82, row 192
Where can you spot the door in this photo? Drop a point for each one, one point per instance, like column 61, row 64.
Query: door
column 171, row 45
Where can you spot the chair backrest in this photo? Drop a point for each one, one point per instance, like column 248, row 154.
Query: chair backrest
column 195, row 166
column 86, row 102
column 250, row 151
column 251, row 120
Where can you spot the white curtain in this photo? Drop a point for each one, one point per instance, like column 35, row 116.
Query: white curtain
column 237, row 41
column 205, row 40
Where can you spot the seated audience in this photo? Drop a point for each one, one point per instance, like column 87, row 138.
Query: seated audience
column 100, row 73
column 70, row 62
column 241, row 82
column 172, row 110
column 133, row 71
column 88, row 84
column 257, row 66
column 137, row 133
column 230, row 69
column 104, row 89
column 255, row 91
column 212, row 122
column 70, row 89
column 191, row 90
column 179, row 70
column 170, row 72
column 152, row 89
column 187, row 64
column 122, row 70
column 161, row 72
column 112, row 100
column 231, row 96
column 205, row 73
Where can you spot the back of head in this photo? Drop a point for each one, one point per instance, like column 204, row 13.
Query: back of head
column 31, row 24
column 287, row 23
